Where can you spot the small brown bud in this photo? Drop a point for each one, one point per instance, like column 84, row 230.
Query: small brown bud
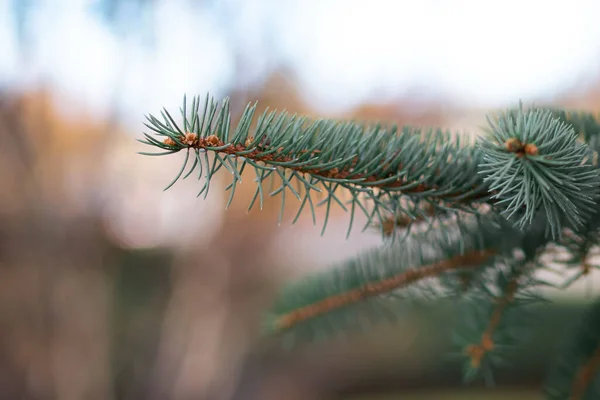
column 531, row 149
column 190, row 139
column 333, row 172
column 212, row 140
column 513, row 145
column 249, row 141
column 169, row 142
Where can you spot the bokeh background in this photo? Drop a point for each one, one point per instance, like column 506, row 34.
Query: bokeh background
column 111, row 288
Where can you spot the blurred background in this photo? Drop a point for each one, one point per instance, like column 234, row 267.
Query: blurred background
column 111, row 288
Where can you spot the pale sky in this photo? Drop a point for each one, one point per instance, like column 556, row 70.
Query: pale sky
column 483, row 53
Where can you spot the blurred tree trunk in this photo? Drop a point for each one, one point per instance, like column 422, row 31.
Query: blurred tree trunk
column 54, row 289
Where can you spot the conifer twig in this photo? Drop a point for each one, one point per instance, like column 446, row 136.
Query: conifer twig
column 585, row 375
column 477, row 351
column 405, row 278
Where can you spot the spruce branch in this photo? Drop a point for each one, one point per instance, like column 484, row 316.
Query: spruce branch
column 533, row 159
column 576, row 375
column 494, row 316
column 320, row 301
column 385, row 286
column 529, row 162
column 586, row 125
column 576, row 252
column 586, row 375
column 477, row 351
column 377, row 163
column 476, row 216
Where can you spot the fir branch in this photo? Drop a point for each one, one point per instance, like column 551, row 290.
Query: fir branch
column 530, row 162
column 576, row 374
column 409, row 276
column 491, row 323
column 537, row 168
column 495, row 309
column 586, row 375
column 421, row 213
column 362, row 160
column 586, row 125
column 576, row 251
column 533, row 159
column 313, row 303
column 477, row 351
